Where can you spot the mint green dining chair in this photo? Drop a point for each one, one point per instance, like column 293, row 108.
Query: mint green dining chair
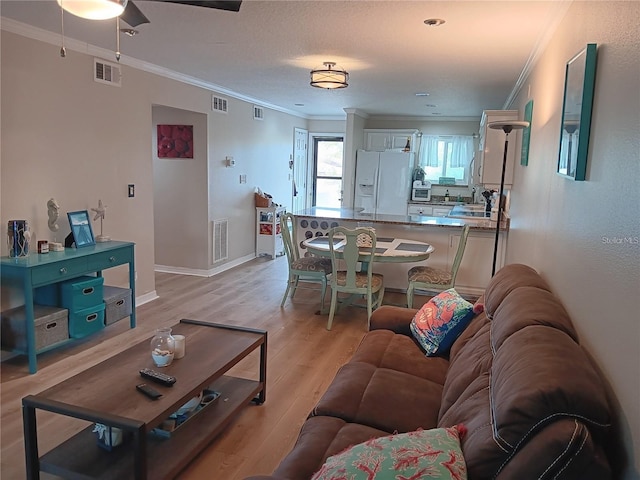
column 358, row 245
column 305, row 269
column 436, row 279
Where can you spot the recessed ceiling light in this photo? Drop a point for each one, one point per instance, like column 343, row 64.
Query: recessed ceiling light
column 422, row 94
column 129, row 31
column 430, row 105
column 433, row 22
column 299, row 104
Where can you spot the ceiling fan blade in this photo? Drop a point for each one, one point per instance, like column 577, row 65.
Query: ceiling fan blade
column 229, row 5
column 133, row 16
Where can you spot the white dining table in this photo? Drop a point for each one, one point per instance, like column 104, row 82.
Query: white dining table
column 389, row 250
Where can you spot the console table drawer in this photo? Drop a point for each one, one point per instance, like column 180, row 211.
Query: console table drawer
column 105, row 260
column 58, row 271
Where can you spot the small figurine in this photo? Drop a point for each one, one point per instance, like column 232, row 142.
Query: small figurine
column 100, row 212
column 53, row 210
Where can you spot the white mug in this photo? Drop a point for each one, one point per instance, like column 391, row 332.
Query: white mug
column 180, row 346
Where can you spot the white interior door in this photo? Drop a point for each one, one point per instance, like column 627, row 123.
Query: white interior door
column 300, row 148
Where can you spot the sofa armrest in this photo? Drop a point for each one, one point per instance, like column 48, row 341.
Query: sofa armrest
column 396, row 319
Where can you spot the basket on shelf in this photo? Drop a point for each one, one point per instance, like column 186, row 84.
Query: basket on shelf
column 261, row 201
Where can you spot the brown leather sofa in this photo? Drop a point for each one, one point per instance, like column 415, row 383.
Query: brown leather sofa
column 534, row 404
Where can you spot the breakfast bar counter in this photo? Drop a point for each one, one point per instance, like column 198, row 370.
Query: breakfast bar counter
column 443, row 233
column 350, row 214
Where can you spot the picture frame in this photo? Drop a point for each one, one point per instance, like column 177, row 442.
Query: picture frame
column 526, row 134
column 175, row 141
column 577, row 104
column 81, row 228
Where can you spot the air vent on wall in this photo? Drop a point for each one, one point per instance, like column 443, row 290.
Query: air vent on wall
column 219, row 104
column 220, row 240
column 106, row 72
column 258, row 113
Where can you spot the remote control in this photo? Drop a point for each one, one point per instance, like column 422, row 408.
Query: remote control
column 161, row 378
column 150, row 392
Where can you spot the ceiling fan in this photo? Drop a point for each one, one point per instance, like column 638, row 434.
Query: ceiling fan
column 129, row 12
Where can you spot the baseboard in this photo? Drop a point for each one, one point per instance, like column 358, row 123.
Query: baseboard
column 146, row 298
column 204, row 273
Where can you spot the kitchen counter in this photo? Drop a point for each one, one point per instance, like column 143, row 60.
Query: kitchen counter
column 350, row 214
column 443, row 233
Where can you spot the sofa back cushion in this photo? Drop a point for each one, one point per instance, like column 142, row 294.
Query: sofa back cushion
column 525, row 307
column 508, row 279
column 512, row 376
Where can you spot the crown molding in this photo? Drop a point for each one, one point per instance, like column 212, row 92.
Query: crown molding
column 51, row 38
column 555, row 17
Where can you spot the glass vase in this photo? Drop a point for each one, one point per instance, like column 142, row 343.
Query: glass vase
column 163, row 347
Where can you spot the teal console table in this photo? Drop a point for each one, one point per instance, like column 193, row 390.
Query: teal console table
column 37, row 270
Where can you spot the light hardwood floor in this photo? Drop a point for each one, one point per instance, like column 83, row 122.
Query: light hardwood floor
column 303, row 358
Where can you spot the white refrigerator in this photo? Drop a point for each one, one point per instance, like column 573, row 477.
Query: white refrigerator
column 383, row 182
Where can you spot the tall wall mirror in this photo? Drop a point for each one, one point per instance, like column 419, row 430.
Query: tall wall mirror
column 579, row 85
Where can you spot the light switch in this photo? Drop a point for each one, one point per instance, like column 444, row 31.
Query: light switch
column 131, row 190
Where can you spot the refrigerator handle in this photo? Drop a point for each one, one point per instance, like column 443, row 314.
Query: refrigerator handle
column 377, row 184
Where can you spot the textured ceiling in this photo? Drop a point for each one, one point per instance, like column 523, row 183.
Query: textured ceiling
column 265, row 51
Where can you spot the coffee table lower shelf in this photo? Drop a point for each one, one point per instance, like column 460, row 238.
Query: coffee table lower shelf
column 81, row 458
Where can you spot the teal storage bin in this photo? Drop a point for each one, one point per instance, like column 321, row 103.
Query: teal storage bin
column 81, row 293
column 86, row 321
column 48, row 295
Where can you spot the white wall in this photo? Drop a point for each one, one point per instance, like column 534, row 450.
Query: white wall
column 584, row 236
column 180, row 196
column 68, row 137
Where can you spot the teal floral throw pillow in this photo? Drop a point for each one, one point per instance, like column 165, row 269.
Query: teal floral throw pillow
column 422, row 454
column 440, row 321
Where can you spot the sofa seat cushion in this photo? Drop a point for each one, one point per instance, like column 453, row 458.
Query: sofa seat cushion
column 320, row 438
column 381, row 398
column 468, row 377
column 385, row 349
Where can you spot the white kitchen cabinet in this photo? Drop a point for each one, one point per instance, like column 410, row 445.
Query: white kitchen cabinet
column 487, row 167
column 418, row 209
column 382, row 140
column 268, row 233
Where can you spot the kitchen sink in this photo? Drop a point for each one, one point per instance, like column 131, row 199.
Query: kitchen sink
column 469, row 211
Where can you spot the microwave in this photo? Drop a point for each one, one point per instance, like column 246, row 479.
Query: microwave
column 421, row 194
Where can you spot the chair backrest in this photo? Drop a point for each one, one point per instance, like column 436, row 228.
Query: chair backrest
column 458, row 258
column 350, row 253
column 289, row 237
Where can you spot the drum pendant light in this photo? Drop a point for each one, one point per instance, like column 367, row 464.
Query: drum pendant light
column 329, row 77
column 94, row 9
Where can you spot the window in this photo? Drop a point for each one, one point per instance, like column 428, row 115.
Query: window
column 446, row 156
column 327, row 181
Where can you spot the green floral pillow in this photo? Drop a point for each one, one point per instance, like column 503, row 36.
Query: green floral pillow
column 421, row 454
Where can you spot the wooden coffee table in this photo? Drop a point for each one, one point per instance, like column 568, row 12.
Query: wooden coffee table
column 106, row 393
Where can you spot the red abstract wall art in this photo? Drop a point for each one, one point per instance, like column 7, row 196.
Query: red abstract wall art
column 175, row 141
